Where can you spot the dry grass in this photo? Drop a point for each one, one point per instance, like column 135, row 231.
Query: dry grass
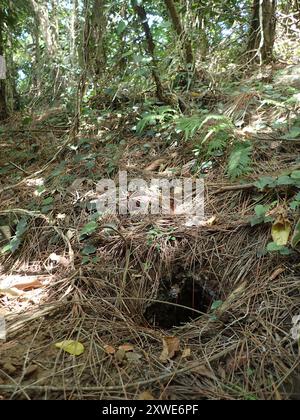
column 243, row 350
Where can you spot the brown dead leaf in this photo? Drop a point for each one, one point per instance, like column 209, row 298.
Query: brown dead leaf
column 21, row 282
column 155, row 165
column 146, row 396
column 277, row 273
column 204, row 371
column 35, row 284
column 126, row 347
column 171, row 346
column 109, row 349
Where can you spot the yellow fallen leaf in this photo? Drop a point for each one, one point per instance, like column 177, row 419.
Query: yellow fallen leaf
column 195, row 94
column 281, row 231
column 209, row 222
column 72, row 347
column 170, row 348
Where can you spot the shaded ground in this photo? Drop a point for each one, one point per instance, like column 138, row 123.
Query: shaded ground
column 136, row 282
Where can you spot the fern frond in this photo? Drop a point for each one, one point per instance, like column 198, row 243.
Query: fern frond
column 240, row 160
column 218, row 137
column 158, row 116
column 189, row 125
column 217, row 144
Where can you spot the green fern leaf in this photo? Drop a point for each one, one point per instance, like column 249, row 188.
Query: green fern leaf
column 240, row 160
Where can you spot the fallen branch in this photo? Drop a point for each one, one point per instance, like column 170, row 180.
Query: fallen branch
column 165, row 376
column 240, row 187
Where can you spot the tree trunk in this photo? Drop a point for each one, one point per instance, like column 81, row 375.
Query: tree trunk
column 74, row 29
column 262, row 31
column 55, row 23
column 36, row 65
column 142, row 15
column 203, row 41
column 42, row 14
column 12, row 96
column 3, row 105
column 98, row 30
column 178, row 27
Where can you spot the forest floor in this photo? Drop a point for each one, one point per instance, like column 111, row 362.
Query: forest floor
column 164, row 309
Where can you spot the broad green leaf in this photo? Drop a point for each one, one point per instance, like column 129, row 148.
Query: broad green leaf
column 21, row 227
column 85, row 260
column 264, row 182
column 89, row 228
column 261, row 216
column 257, row 221
column 48, row 201
column 261, row 211
column 5, row 249
column 89, row 250
column 40, row 191
column 121, row 27
column 216, row 305
column 285, row 180
column 292, row 134
column 72, row 347
column 273, row 247
column 295, row 175
column 15, row 244
column 294, row 205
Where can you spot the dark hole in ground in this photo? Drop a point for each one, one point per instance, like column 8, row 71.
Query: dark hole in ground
column 186, row 290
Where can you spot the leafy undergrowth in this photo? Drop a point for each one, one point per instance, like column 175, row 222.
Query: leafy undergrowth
column 133, row 307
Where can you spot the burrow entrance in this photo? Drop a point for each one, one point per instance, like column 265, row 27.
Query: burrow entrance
column 179, row 296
